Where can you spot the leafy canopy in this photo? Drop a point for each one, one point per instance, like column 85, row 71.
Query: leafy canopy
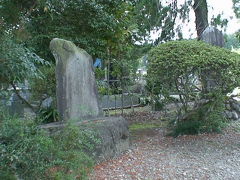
column 17, row 62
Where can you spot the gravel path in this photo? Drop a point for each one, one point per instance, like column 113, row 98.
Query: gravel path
column 154, row 156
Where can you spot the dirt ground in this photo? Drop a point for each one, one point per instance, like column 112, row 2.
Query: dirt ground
column 155, row 156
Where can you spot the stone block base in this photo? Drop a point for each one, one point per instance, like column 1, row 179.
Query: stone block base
column 112, row 132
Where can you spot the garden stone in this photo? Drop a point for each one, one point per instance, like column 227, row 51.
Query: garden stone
column 213, row 36
column 228, row 107
column 77, row 96
column 236, row 106
column 228, row 114
column 112, row 133
column 234, row 115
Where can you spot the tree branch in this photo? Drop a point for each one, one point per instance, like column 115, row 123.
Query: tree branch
column 21, row 98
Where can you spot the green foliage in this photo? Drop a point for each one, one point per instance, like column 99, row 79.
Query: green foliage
column 28, row 152
column 17, row 62
column 194, row 71
column 157, row 16
column 45, row 87
column 219, row 21
column 48, row 115
column 99, row 73
column 207, row 118
column 42, row 89
column 18, row 9
column 141, row 126
column 174, row 67
column 236, row 7
column 231, row 41
column 97, row 25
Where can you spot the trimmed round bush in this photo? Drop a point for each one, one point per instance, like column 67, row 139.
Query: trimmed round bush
column 174, row 61
column 195, row 72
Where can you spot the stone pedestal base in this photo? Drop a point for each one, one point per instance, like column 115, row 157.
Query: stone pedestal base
column 112, row 132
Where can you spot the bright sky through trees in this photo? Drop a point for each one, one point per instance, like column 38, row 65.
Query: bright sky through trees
column 215, row 7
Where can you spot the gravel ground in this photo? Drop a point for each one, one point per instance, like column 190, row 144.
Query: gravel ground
column 154, row 156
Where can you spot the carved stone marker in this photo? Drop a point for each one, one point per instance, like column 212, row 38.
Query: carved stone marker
column 213, row 36
column 77, row 96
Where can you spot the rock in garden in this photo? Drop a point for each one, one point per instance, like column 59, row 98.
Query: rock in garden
column 227, row 106
column 228, row 114
column 236, row 106
column 77, row 96
column 234, row 115
column 111, row 132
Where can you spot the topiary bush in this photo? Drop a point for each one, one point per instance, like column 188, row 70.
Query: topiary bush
column 197, row 72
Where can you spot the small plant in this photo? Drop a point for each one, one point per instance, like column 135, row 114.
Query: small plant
column 48, row 115
column 206, row 118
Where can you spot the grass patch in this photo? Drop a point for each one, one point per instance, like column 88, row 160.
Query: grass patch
column 128, row 110
column 141, row 126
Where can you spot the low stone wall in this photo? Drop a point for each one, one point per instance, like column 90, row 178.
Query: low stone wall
column 112, row 132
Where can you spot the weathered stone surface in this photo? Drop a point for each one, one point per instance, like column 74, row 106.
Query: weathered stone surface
column 228, row 114
column 228, row 107
column 234, row 115
column 235, row 106
column 213, row 36
column 77, row 96
column 112, row 132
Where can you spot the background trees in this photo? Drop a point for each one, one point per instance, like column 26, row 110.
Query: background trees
column 236, row 7
column 116, row 31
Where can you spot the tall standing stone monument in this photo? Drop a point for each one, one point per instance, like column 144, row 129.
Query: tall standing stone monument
column 213, row 36
column 77, row 96
column 77, row 99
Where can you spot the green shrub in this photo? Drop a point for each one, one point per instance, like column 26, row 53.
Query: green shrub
column 42, row 88
column 48, row 115
column 207, row 118
column 196, row 72
column 177, row 63
column 28, row 152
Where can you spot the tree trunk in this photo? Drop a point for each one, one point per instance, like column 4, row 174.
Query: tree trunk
column 201, row 16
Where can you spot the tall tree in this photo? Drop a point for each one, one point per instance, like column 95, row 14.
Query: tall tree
column 201, row 16
column 96, row 24
column 158, row 16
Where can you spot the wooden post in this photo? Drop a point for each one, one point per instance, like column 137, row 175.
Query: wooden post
column 108, row 81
